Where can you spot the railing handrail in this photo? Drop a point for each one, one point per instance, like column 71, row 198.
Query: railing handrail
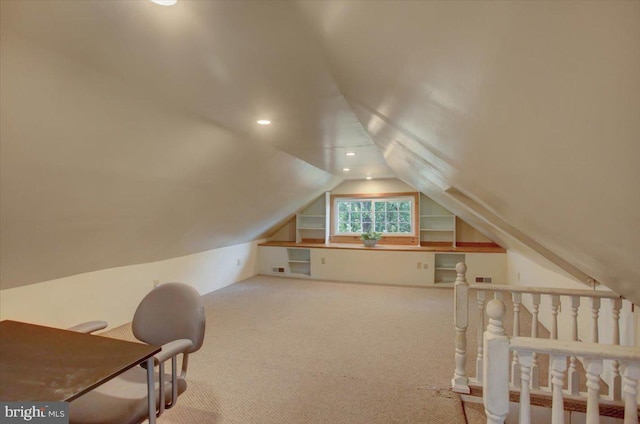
column 546, row 290
column 497, row 346
column 569, row 348
column 504, row 361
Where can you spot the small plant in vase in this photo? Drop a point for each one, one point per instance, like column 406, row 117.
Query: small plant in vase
column 371, row 238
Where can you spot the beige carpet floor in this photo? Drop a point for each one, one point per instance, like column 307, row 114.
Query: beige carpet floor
column 280, row 351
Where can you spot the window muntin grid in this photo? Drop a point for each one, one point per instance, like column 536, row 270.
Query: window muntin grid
column 390, row 216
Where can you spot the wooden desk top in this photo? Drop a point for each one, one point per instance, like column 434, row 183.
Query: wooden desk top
column 473, row 248
column 52, row 365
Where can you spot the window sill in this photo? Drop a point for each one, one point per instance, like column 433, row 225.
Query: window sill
column 395, row 240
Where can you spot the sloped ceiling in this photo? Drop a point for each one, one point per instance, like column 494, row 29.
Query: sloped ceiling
column 522, row 117
column 128, row 129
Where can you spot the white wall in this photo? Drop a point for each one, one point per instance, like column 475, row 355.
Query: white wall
column 286, row 233
column 113, row 294
column 466, row 233
column 388, row 185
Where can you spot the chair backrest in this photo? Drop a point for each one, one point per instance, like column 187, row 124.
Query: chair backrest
column 169, row 312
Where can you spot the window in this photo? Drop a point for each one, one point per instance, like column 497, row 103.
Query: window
column 388, row 215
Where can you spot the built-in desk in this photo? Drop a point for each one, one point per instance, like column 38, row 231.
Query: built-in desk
column 382, row 264
column 468, row 248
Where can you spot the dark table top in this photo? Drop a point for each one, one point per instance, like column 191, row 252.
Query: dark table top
column 52, row 365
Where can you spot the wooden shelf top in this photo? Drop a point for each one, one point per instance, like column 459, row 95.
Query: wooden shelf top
column 389, row 247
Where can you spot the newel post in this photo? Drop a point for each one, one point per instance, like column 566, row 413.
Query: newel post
column 496, row 365
column 460, row 381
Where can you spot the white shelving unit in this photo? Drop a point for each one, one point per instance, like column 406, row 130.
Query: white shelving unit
column 376, row 266
column 299, row 261
column 311, row 223
column 437, row 224
column 445, row 267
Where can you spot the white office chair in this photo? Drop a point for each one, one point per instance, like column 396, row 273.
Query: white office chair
column 171, row 315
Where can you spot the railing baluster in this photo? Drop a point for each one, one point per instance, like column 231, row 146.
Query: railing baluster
column 557, row 365
column 595, row 311
column 594, row 356
column 615, row 388
column 594, row 369
column 523, row 369
column 555, row 307
column 496, row 365
column 526, row 359
column 481, row 299
column 630, row 378
column 515, row 364
column 535, row 372
column 460, row 381
column 574, row 377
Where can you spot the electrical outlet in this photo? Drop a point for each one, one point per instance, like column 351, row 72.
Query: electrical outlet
column 237, row 262
column 425, row 266
column 322, row 261
column 419, row 265
column 518, row 277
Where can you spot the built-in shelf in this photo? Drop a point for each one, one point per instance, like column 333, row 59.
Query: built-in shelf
column 445, row 267
column 299, row 261
column 311, row 223
column 385, row 264
column 437, row 225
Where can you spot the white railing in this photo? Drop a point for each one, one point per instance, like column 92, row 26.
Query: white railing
column 525, row 372
column 497, row 346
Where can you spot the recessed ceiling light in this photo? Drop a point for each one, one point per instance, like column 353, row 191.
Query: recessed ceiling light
column 164, row 2
column 264, row 122
column 350, row 153
column 368, row 178
column 346, row 169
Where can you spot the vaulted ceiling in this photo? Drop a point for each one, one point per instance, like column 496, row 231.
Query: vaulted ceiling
column 129, row 131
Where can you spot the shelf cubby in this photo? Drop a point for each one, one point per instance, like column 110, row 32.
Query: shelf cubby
column 311, row 223
column 299, row 261
column 445, row 267
column 437, row 224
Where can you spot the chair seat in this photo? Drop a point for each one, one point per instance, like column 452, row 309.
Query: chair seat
column 122, row 400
